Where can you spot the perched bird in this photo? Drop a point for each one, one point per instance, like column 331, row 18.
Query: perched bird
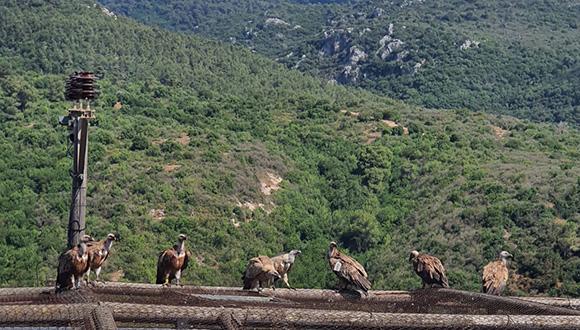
column 429, row 268
column 260, row 270
column 72, row 265
column 172, row 262
column 98, row 253
column 283, row 263
column 495, row 274
column 351, row 274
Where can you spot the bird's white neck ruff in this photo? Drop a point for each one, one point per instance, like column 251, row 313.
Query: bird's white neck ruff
column 108, row 245
column 180, row 247
column 331, row 251
column 82, row 251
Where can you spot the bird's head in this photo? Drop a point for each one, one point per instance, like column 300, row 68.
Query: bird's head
column 331, row 248
column 295, row 252
column 111, row 237
column 86, row 238
column 413, row 255
column 182, row 237
column 504, row 255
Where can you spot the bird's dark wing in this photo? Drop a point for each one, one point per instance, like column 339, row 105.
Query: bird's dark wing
column 434, row 268
column 186, row 260
column 355, row 264
column 253, row 270
column 350, row 272
column 163, row 262
column 495, row 276
column 64, row 270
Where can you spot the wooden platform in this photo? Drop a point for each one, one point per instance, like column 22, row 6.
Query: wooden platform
column 131, row 305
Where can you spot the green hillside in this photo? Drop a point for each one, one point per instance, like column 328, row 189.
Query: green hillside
column 519, row 58
column 193, row 136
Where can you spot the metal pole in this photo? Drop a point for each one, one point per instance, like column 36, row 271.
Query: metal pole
column 76, row 225
column 80, row 89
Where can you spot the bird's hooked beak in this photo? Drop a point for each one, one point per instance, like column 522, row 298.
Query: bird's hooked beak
column 112, row 237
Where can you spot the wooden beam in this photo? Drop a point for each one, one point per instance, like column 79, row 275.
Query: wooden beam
column 318, row 319
column 380, row 301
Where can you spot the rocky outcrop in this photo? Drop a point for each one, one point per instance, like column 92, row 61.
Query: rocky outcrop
column 469, row 44
column 276, row 21
column 349, row 74
column 390, row 46
column 106, row 11
column 356, row 55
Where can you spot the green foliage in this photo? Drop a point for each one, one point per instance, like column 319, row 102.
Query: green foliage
column 519, row 58
column 202, row 125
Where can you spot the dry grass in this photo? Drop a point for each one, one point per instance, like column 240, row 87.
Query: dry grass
column 170, row 168
column 499, row 132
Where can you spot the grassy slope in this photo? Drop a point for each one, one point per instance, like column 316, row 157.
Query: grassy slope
column 526, row 64
column 452, row 187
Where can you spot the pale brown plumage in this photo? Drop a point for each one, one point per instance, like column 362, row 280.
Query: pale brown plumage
column 283, row 264
column 260, row 270
column 72, row 265
column 98, row 252
column 351, row 274
column 495, row 275
column 172, row 262
column 430, row 269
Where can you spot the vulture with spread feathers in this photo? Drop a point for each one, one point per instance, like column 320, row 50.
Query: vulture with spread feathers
column 351, row 274
column 283, row 264
column 495, row 274
column 172, row 262
column 429, row 268
column 72, row 265
column 98, row 253
column 260, row 271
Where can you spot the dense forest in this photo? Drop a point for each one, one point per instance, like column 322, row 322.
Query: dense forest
column 520, row 58
column 247, row 157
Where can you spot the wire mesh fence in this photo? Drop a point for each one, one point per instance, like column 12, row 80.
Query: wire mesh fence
column 142, row 306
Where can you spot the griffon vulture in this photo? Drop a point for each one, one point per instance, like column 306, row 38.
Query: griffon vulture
column 429, row 268
column 283, row 263
column 172, row 262
column 495, row 274
column 260, row 270
column 351, row 274
column 98, row 253
column 72, row 265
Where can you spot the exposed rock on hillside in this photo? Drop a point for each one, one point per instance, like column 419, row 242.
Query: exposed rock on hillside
column 276, row 21
column 469, row 44
column 269, row 182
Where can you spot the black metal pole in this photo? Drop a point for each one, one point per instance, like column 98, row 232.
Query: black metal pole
column 76, row 225
column 80, row 89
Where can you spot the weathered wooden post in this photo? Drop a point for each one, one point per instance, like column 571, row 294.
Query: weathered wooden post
column 81, row 90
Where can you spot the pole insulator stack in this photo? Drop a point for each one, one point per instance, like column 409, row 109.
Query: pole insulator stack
column 81, row 86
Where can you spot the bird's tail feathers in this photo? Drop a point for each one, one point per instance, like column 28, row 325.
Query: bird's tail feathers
column 160, row 277
column 364, row 284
